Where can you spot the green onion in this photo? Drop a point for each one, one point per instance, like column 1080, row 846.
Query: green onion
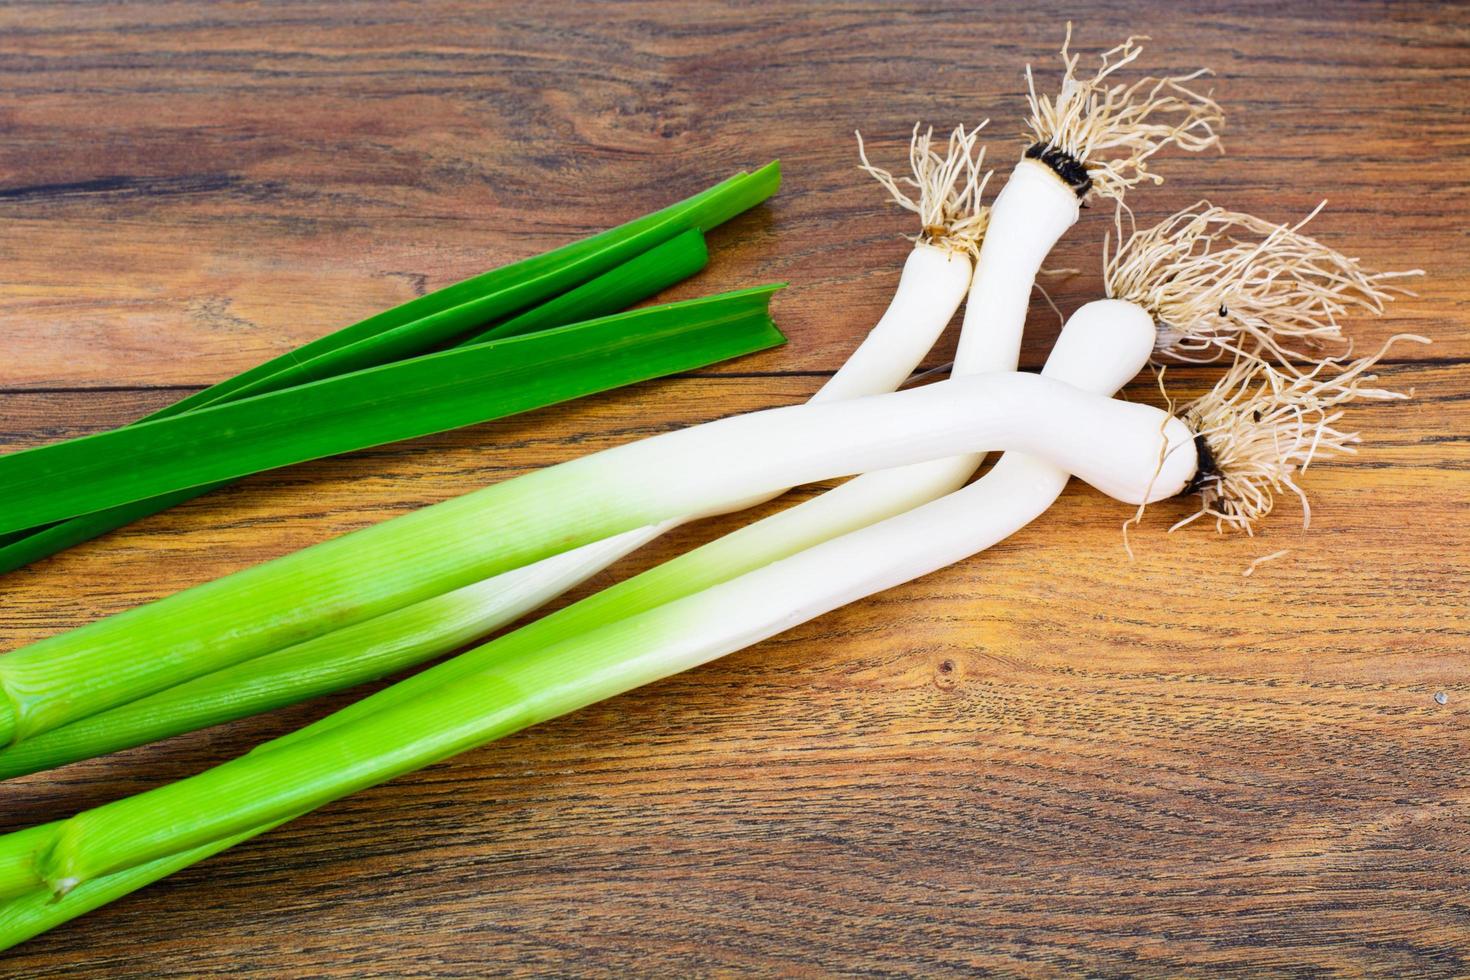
column 379, row 405
column 1112, row 444
column 702, row 469
column 119, row 847
column 703, row 211
column 932, row 285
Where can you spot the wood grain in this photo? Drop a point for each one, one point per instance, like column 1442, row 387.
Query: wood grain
column 1048, row 760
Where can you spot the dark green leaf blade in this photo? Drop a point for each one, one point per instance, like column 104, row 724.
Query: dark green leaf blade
column 635, row 280
column 640, row 277
column 703, row 211
column 369, row 408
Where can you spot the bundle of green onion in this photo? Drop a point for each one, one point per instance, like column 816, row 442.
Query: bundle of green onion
column 1204, row 283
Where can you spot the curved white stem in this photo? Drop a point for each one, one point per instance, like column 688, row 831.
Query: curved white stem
column 1103, row 345
column 1113, row 445
column 1029, row 217
column 930, row 288
column 1030, row 214
column 933, row 284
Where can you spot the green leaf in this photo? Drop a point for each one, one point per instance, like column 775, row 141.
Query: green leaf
column 453, row 309
column 635, row 280
column 412, row 398
column 516, row 286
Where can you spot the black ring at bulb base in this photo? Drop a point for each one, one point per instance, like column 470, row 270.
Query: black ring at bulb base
column 1206, row 471
column 1069, row 169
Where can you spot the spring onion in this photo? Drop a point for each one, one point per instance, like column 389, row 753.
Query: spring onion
column 1091, row 137
column 36, row 911
column 515, row 691
column 114, row 849
column 934, row 279
column 1238, row 447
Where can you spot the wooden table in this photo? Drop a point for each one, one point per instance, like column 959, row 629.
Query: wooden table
column 1046, row 760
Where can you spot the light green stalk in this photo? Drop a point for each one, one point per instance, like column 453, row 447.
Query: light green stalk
column 37, row 911
column 335, row 584
column 264, row 787
column 342, row 658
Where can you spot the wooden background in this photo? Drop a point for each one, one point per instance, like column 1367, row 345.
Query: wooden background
column 1046, row 760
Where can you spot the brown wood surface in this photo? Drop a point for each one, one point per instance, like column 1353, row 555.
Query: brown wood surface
column 1047, row 760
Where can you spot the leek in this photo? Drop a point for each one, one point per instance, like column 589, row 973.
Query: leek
column 1115, row 444
column 112, row 850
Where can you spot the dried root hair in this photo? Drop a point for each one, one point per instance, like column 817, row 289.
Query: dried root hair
column 1097, row 135
column 1218, row 281
column 945, row 190
column 1258, row 429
